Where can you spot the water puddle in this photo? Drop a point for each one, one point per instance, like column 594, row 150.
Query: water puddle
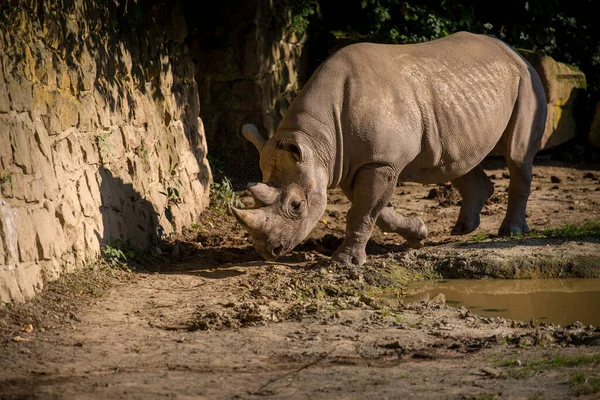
column 560, row 301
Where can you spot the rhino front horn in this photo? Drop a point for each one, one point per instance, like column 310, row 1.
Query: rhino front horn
column 252, row 220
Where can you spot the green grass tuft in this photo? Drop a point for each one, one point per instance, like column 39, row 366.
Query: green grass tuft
column 587, row 229
column 529, row 368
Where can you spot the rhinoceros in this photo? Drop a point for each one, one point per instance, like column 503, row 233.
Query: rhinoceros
column 372, row 115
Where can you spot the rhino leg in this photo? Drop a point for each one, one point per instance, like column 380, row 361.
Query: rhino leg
column 523, row 137
column 519, row 188
column 372, row 188
column 475, row 188
column 410, row 228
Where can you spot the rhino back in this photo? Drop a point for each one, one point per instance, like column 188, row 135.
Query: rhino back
column 432, row 110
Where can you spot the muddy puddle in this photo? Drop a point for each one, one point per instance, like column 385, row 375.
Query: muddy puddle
column 558, row 301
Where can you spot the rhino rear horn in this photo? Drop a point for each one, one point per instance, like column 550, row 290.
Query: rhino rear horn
column 263, row 194
column 252, row 220
column 250, row 132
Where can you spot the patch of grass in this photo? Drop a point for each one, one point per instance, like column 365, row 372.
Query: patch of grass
column 525, row 370
column 480, row 236
column 196, row 227
column 587, row 229
column 483, row 396
column 584, row 384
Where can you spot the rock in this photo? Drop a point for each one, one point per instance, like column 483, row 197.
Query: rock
column 562, row 83
column 439, row 298
column 392, row 345
column 594, row 135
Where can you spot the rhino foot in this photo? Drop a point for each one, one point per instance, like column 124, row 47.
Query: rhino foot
column 475, row 188
column 414, row 243
column 513, row 228
column 464, row 227
column 350, row 256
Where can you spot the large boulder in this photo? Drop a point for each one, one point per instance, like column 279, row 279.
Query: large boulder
column 563, row 83
column 594, row 135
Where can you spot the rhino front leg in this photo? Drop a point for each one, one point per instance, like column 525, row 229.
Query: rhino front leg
column 412, row 229
column 372, row 188
column 475, row 188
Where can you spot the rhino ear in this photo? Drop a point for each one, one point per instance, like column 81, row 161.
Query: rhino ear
column 250, row 132
column 291, row 146
column 263, row 194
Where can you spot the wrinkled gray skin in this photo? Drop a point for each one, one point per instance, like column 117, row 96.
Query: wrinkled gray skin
column 373, row 114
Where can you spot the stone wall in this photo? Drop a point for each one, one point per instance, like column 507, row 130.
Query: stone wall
column 248, row 65
column 98, row 123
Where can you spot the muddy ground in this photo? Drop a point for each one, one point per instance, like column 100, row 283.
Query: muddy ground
column 205, row 317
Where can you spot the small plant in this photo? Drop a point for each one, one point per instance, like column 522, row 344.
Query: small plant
column 5, row 177
column 171, row 191
column 222, row 195
column 104, row 145
column 172, row 195
column 115, row 258
column 117, row 254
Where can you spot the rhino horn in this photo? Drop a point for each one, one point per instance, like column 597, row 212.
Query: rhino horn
column 250, row 132
column 252, row 220
column 263, row 194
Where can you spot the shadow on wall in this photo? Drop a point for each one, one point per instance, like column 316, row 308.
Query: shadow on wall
column 125, row 213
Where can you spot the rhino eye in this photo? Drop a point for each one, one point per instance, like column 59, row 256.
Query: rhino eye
column 296, row 205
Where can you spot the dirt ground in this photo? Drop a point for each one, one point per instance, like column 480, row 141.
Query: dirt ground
column 205, row 317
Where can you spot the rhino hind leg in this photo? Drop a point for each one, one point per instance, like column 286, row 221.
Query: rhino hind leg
column 514, row 222
column 475, row 188
column 412, row 229
column 523, row 138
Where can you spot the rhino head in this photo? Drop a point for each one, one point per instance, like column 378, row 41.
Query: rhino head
column 291, row 198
